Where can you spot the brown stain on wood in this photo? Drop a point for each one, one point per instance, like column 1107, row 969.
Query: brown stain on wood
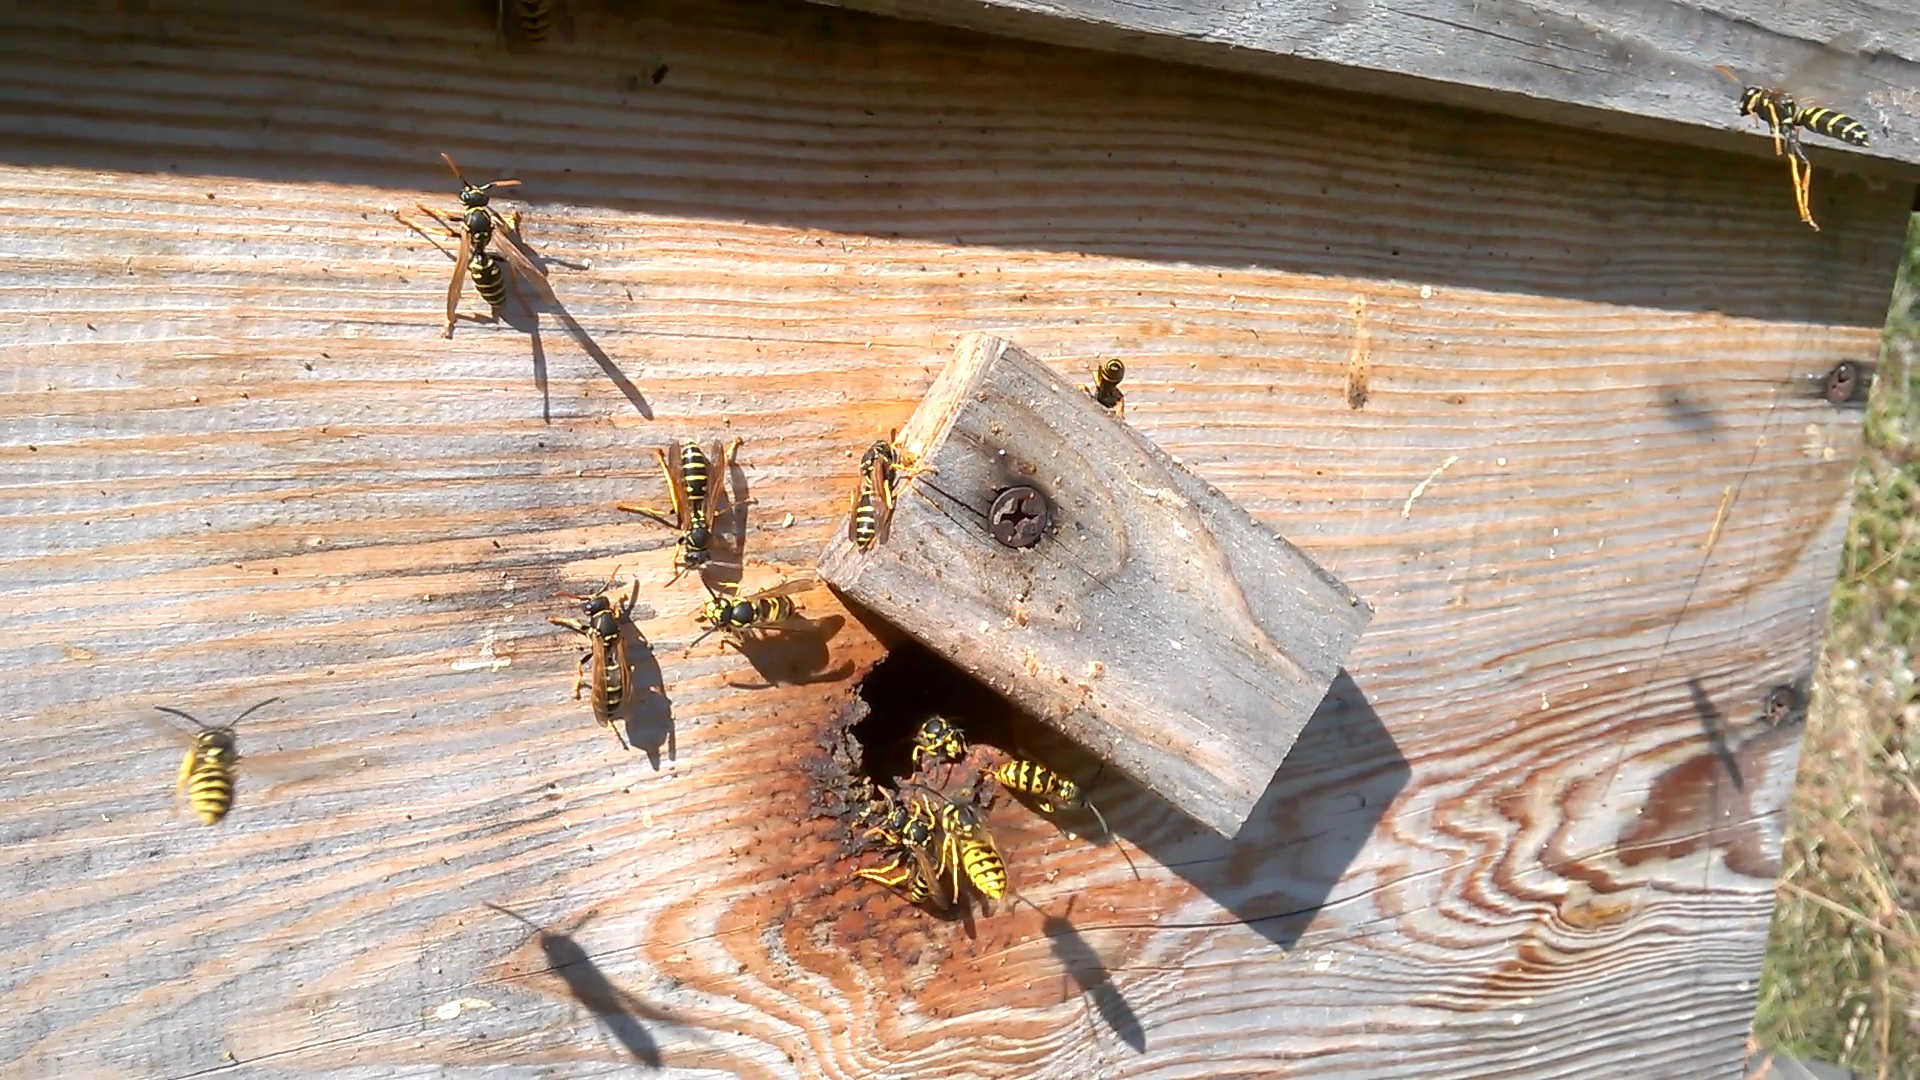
column 1360, row 359
column 782, row 240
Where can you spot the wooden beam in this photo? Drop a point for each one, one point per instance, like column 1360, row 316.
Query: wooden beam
column 1153, row 622
column 237, row 459
column 1644, row 70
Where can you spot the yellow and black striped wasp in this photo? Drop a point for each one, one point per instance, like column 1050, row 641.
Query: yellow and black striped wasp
column 210, row 771
column 729, row 612
column 967, row 845
column 940, row 739
column 1106, row 385
column 1785, row 117
column 479, row 226
column 607, row 653
column 884, row 470
column 531, row 22
column 688, row 487
column 1046, row 789
column 909, row 829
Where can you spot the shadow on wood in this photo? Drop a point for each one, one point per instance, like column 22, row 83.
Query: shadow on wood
column 647, row 712
column 1079, row 143
column 1310, row 824
column 729, row 503
column 523, row 314
column 616, row 1010
column 794, row 654
column 1083, row 965
column 1714, row 723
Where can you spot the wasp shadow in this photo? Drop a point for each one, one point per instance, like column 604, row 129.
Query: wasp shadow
column 1683, row 407
column 1083, row 965
column 647, row 713
column 524, row 315
column 795, row 654
column 619, row 1012
column 1714, row 723
column 730, row 498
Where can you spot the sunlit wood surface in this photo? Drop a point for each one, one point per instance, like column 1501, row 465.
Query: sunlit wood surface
column 1552, row 403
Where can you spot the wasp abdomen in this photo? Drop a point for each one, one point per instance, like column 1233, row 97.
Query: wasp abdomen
column 1832, row 124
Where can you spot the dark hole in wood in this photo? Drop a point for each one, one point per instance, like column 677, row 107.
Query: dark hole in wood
column 909, row 686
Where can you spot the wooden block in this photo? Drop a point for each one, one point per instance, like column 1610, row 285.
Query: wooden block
column 1155, row 622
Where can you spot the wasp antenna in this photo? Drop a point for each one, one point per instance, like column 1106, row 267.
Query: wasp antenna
column 253, row 709
column 185, row 715
column 1098, row 816
column 448, row 158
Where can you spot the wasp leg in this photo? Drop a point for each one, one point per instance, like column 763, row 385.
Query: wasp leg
column 1802, row 185
column 580, row 676
column 673, row 517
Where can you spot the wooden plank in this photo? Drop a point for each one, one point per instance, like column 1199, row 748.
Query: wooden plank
column 769, row 243
column 1644, row 70
column 1141, row 565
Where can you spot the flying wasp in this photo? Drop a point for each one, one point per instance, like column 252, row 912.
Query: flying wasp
column 209, row 773
column 479, row 225
column 612, row 675
column 1047, row 789
column 530, row 22
column 765, row 610
column 687, row 490
column 1785, row 117
column 1106, row 385
column 883, row 471
column 940, row 739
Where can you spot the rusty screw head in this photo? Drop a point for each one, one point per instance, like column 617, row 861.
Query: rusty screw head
column 1019, row 517
column 1782, row 702
column 1842, row 381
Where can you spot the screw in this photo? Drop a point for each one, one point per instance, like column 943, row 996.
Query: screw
column 1018, row 517
column 1841, row 382
column 1782, row 702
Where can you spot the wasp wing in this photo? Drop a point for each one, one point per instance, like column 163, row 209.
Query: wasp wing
column 1825, row 73
column 459, row 281
column 507, row 242
column 791, row 587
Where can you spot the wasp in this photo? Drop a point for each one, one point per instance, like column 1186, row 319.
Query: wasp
column 210, row 771
column 966, row 846
column 479, row 226
column 1106, row 385
column 612, row 676
column 910, row 828
column 940, row 739
column 883, row 470
column 1785, row 117
column 1047, row 789
column 531, row 22
column 687, row 490
column 730, row 612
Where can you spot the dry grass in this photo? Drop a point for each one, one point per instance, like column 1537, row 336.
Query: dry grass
column 1842, row 979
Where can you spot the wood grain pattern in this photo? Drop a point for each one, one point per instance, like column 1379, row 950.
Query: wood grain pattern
column 1644, row 69
column 239, row 461
column 1141, row 568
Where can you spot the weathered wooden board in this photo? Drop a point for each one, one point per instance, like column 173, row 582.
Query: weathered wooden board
column 1139, row 567
column 237, row 460
column 1644, row 69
